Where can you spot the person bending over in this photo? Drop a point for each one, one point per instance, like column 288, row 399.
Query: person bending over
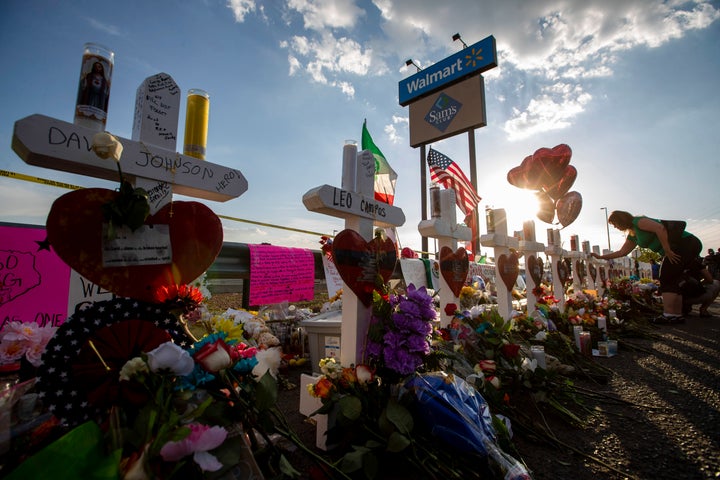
column 677, row 255
column 699, row 288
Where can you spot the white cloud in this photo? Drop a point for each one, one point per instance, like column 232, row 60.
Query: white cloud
column 321, row 14
column 241, row 8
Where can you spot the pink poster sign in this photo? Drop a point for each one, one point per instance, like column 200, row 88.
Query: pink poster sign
column 34, row 281
column 279, row 274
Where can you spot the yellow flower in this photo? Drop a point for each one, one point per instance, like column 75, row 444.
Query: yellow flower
column 226, row 325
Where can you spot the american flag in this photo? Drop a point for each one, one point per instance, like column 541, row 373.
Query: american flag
column 448, row 174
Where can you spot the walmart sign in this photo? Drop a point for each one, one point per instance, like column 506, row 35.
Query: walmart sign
column 476, row 58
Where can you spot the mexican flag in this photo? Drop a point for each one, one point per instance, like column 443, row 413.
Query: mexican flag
column 385, row 176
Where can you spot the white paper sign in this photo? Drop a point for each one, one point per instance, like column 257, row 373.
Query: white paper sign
column 332, row 277
column 148, row 245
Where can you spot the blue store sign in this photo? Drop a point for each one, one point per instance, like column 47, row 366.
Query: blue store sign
column 474, row 59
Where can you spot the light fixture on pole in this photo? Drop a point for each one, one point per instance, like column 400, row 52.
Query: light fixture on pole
column 456, row 37
column 607, row 226
column 409, row 62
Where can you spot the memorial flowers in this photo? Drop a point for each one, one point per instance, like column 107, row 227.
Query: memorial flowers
column 26, row 341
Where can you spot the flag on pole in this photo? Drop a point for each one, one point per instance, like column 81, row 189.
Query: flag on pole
column 385, row 176
column 447, row 173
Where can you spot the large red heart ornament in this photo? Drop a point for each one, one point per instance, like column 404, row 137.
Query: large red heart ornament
column 563, row 271
column 535, row 268
column 362, row 264
column 593, row 271
column 509, row 268
column 580, row 269
column 454, row 268
column 75, row 231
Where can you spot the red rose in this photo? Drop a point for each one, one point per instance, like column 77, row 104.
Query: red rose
column 510, row 350
column 450, row 309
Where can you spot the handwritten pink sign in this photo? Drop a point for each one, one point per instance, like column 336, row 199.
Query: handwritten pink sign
column 279, row 274
column 34, row 281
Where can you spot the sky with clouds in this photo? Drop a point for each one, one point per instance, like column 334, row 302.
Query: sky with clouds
column 629, row 85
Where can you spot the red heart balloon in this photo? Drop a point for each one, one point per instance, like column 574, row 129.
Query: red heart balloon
column 520, row 176
column 535, row 268
column 363, row 264
column 592, row 270
column 509, row 268
column 454, row 268
column 546, row 207
column 563, row 271
column 568, row 208
column 549, row 163
column 75, row 231
column 560, row 188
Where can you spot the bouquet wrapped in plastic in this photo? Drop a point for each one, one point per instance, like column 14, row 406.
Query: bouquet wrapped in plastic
column 456, row 414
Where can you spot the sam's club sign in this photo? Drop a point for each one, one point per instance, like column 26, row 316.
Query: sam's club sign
column 476, row 58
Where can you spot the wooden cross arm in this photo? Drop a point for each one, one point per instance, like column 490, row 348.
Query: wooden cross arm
column 47, row 142
column 341, row 203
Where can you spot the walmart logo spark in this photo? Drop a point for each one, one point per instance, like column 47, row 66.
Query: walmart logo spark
column 474, row 58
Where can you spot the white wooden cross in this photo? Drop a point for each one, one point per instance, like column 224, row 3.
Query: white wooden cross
column 530, row 246
column 150, row 156
column 148, row 160
column 555, row 252
column 446, row 229
column 575, row 256
column 355, row 202
column 498, row 239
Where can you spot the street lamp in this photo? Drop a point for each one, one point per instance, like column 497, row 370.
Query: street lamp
column 607, row 226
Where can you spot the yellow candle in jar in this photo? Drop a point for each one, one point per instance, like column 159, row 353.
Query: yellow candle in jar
column 196, row 123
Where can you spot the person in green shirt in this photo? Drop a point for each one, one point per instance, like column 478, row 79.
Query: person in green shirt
column 677, row 255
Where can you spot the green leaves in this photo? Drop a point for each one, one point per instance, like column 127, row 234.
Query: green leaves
column 130, row 208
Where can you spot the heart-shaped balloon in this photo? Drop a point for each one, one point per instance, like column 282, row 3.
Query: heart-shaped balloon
column 546, row 207
column 363, row 265
column 549, row 164
column 535, row 268
column 568, row 208
column 593, row 271
column 563, row 271
column 509, row 268
column 454, row 268
column 520, row 176
column 75, row 231
column 562, row 186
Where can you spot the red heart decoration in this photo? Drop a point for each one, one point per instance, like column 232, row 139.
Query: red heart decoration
column 593, row 271
column 535, row 268
column 563, row 185
column 509, row 268
column 549, row 164
column 454, row 268
column 563, row 271
column 363, row 264
column 580, row 269
column 75, row 231
column 603, row 275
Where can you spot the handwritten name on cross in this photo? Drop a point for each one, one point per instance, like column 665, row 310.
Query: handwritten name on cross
column 51, row 143
column 443, row 226
column 355, row 202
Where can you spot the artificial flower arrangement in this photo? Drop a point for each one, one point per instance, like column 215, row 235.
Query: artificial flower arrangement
column 24, row 341
column 137, row 395
column 399, row 409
